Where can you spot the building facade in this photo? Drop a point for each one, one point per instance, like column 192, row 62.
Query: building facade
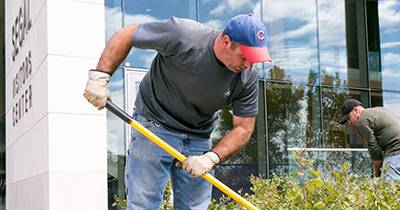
column 58, row 152
column 55, row 142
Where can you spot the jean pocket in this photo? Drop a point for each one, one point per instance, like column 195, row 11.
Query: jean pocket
column 143, row 121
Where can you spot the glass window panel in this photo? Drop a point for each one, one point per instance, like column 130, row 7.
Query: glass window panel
column 389, row 100
column 116, row 140
column 144, row 11
column 293, row 121
column 113, row 17
column 325, row 162
column 335, row 134
column 136, row 12
column 376, row 98
column 137, row 84
column 292, row 34
column 357, row 73
column 389, row 25
column 217, row 13
column 225, row 124
column 332, row 42
column 138, row 58
column 375, row 74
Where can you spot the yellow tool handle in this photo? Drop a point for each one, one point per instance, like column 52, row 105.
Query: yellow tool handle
column 125, row 117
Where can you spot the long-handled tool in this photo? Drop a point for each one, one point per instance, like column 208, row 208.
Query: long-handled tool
column 128, row 119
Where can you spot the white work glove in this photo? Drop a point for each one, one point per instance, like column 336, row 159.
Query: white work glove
column 96, row 91
column 199, row 165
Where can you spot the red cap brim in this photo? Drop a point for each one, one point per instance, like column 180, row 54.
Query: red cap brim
column 255, row 54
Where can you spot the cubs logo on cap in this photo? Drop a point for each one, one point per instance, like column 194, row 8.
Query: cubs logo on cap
column 260, row 35
column 251, row 35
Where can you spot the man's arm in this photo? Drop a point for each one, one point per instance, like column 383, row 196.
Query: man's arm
column 231, row 144
column 377, row 166
column 116, row 50
column 236, row 139
column 366, row 130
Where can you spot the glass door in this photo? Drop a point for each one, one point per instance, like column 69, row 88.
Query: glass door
column 133, row 77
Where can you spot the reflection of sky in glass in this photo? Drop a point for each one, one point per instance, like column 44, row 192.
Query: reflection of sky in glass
column 332, row 39
column 292, row 30
column 297, row 31
column 137, row 12
column 113, row 17
column 217, row 13
column 391, row 101
column 115, row 126
column 159, row 9
column 389, row 28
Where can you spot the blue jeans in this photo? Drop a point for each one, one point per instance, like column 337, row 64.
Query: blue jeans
column 394, row 167
column 148, row 168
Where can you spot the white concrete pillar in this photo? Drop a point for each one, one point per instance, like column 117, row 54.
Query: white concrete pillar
column 56, row 145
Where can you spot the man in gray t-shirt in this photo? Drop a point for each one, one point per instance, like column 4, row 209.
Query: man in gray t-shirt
column 186, row 85
column 196, row 72
column 380, row 129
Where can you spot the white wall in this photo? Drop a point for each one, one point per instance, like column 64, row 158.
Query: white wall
column 56, row 152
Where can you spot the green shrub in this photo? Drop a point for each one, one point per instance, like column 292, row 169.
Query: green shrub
column 307, row 189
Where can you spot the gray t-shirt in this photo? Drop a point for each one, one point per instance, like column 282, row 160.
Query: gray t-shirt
column 186, row 85
column 380, row 128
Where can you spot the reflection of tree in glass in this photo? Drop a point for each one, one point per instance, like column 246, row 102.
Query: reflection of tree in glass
column 294, row 118
column 313, row 124
column 286, row 119
column 332, row 100
column 239, row 168
column 225, row 124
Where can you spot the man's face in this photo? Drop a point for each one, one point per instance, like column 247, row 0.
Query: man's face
column 353, row 117
column 235, row 60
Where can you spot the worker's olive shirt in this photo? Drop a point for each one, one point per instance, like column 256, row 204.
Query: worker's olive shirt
column 186, row 85
column 380, row 128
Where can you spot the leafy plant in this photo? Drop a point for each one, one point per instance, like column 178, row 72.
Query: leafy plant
column 121, row 203
column 307, row 189
column 166, row 203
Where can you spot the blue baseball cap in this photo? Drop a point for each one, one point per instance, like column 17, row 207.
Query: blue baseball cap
column 251, row 35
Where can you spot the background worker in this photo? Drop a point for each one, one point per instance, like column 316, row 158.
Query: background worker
column 196, row 72
column 380, row 128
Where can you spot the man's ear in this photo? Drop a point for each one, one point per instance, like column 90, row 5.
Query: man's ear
column 226, row 41
column 356, row 110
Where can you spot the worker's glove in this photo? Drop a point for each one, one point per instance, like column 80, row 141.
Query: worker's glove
column 96, row 91
column 199, row 165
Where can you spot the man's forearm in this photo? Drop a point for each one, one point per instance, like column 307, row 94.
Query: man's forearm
column 231, row 144
column 236, row 139
column 377, row 167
